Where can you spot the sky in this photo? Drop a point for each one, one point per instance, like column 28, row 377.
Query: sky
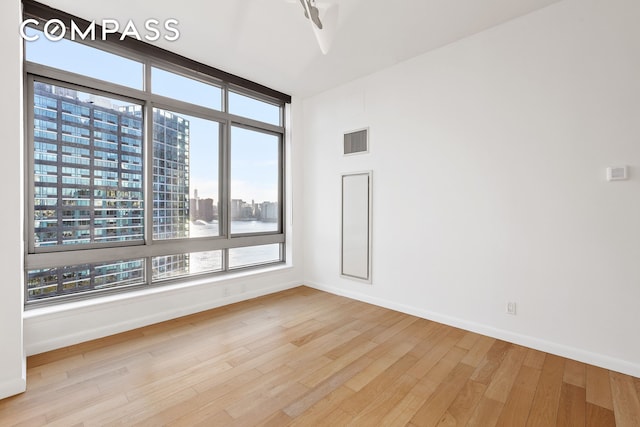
column 254, row 155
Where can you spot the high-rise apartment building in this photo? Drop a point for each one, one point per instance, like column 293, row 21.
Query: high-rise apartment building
column 88, row 185
column 88, row 162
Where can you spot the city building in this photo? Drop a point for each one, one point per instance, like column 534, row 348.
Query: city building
column 97, row 145
column 269, row 211
column 202, row 209
column 170, row 175
column 98, row 149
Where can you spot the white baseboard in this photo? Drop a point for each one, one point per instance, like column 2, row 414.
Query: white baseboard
column 597, row 359
column 61, row 339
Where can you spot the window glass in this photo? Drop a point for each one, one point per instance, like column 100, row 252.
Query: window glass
column 254, row 255
column 85, row 60
column 172, row 266
column 253, row 108
column 88, row 168
column 185, row 89
column 185, row 176
column 255, row 185
column 52, row 282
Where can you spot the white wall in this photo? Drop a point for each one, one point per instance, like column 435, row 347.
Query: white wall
column 12, row 374
column 488, row 159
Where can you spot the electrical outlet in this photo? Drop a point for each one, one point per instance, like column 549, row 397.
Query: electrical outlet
column 226, row 292
column 511, row 308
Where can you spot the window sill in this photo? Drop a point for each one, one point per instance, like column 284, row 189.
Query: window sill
column 128, row 297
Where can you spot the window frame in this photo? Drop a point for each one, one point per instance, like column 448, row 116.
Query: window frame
column 150, row 56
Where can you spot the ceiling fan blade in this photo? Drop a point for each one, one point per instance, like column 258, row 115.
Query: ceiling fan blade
column 311, row 12
column 304, row 6
column 324, row 35
column 323, row 18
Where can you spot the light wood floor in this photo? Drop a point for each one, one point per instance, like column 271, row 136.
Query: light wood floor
column 307, row 358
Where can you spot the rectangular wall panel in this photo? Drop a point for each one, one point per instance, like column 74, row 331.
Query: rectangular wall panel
column 356, row 226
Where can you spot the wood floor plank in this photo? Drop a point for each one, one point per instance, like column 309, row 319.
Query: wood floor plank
column 320, row 390
column 367, row 331
column 321, row 374
column 487, row 413
column 395, row 329
column 40, row 380
column 572, row 406
column 277, row 419
column 597, row 416
column 139, row 410
column 317, row 413
column 544, row 410
column 441, row 346
column 258, row 360
column 337, row 417
column 516, row 409
column 626, row 404
column 264, row 406
column 407, row 407
column 87, row 414
column 172, row 412
column 464, row 405
column 311, row 352
column 303, row 357
column 377, row 367
column 434, row 408
column 491, row 362
column 381, row 404
column 19, row 410
column 382, row 387
column 417, row 333
column 502, row 381
column 319, row 332
column 242, row 399
column 204, row 405
column 598, row 387
column 189, row 377
column 468, row 340
column 534, row 359
column 575, row 373
column 220, row 418
column 478, row 351
column 35, row 421
column 445, row 365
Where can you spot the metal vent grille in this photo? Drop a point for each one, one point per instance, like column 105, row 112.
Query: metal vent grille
column 356, row 142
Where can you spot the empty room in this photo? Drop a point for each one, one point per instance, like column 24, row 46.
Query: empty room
column 309, row 212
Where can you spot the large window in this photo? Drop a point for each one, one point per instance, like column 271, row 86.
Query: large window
column 143, row 171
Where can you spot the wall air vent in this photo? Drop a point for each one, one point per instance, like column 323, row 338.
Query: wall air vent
column 356, row 142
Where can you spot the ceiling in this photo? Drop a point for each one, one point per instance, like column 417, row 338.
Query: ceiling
column 272, row 43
